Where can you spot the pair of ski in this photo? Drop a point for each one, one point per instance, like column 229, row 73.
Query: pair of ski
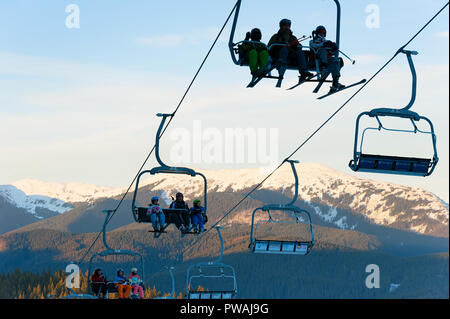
column 322, row 81
column 265, row 74
column 158, row 233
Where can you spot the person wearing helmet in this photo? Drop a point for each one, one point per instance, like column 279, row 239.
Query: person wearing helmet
column 181, row 220
column 135, row 282
column 198, row 217
column 123, row 290
column 256, row 52
column 157, row 216
column 327, row 54
column 286, row 50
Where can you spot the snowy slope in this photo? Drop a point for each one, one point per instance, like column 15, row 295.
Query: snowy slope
column 70, row 192
column 382, row 203
column 326, row 191
column 33, row 203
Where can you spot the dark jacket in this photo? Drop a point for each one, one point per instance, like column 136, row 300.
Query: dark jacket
column 179, row 205
column 255, row 45
column 282, row 38
column 197, row 210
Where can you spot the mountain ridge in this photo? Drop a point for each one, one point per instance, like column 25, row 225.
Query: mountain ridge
column 325, row 191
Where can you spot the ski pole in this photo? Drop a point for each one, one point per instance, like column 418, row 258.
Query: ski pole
column 303, row 38
column 353, row 61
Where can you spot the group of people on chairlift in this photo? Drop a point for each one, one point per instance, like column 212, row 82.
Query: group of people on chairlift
column 285, row 49
column 185, row 219
column 123, row 285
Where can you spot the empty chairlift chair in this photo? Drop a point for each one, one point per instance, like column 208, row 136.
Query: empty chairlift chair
column 363, row 162
column 214, row 273
column 172, row 292
column 301, row 246
column 140, row 213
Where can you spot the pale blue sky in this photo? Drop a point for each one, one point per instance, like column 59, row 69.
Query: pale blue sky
column 79, row 104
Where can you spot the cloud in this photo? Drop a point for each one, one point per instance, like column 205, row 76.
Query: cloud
column 173, row 40
column 443, row 35
column 169, row 40
column 112, row 117
column 368, row 58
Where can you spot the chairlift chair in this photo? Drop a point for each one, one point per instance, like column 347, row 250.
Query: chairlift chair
column 363, row 162
column 212, row 271
column 172, row 293
column 140, row 213
column 110, row 285
column 279, row 246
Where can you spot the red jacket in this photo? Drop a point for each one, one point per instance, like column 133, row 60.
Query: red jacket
column 96, row 278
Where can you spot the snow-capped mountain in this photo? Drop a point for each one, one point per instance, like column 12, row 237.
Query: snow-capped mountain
column 69, row 192
column 28, row 201
column 33, row 204
column 332, row 197
column 326, row 191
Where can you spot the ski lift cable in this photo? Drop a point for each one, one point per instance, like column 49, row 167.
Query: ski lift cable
column 168, row 123
column 319, row 128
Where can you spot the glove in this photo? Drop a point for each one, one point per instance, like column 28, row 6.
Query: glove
column 330, row 45
column 293, row 43
column 247, row 36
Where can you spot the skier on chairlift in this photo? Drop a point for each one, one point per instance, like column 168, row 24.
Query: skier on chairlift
column 157, row 216
column 326, row 51
column 182, row 219
column 256, row 51
column 98, row 284
column 123, row 289
column 291, row 52
column 136, row 283
column 198, row 216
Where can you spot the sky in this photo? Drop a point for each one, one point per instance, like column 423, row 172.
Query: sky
column 78, row 102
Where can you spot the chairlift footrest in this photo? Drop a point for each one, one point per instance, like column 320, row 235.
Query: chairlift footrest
column 282, row 247
column 392, row 165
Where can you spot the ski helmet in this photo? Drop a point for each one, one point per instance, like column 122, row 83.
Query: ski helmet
column 196, row 201
column 134, row 270
column 320, row 28
column 155, row 199
column 256, row 34
column 285, row 22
